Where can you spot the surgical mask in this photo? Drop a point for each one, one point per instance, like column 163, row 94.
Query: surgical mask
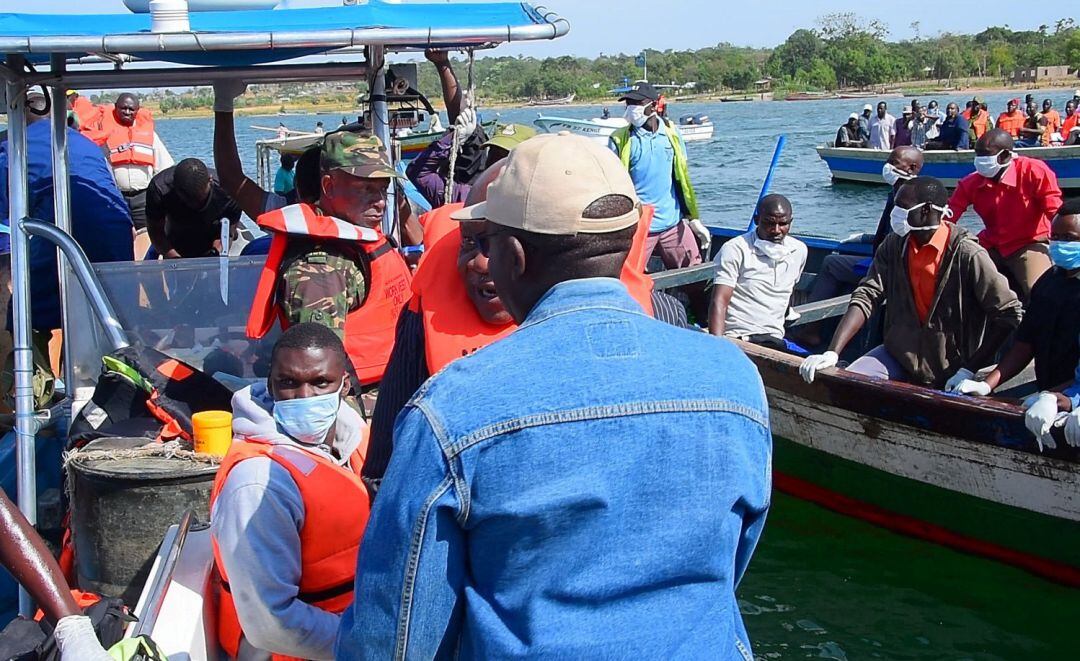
column 891, row 174
column 772, row 249
column 309, row 419
column 898, row 218
column 636, row 115
column 989, row 167
column 1066, row 254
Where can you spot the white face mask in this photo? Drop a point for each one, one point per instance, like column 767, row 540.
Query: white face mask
column 891, row 174
column 989, row 167
column 772, row 249
column 637, row 115
column 898, row 219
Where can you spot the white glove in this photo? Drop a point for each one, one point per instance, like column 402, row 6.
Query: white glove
column 972, row 387
column 812, row 364
column 1072, row 429
column 466, row 123
column 225, row 93
column 963, row 374
column 77, row 641
column 703, row 236
column 1042, row 410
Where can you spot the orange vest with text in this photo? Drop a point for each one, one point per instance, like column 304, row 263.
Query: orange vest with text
column 452, row 326
column 1011, row 123
column 336, row 509
column 129, row 145
column 369, row 330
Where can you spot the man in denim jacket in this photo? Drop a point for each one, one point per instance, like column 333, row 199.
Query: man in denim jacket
column 591, row 486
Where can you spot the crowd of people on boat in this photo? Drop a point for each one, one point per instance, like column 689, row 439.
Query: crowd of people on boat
column 929, row 128
column 529, row 320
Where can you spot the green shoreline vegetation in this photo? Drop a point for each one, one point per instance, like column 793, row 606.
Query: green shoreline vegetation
column 843, row 51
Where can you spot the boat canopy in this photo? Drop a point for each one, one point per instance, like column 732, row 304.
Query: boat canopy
column 244, row 38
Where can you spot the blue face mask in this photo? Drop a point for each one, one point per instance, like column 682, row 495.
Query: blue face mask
column 1066, row 254
column 308, row 420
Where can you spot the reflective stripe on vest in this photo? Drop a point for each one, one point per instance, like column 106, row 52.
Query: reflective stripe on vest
column 336, row 509
column 452, row 326
column 680, row 168
column 369, row 330
column 129, row 145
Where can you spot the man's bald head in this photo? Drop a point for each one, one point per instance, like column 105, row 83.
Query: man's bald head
column 907, row 159
column 993, row 142
column 774, row 203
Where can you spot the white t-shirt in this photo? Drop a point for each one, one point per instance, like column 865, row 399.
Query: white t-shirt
column 762, row 284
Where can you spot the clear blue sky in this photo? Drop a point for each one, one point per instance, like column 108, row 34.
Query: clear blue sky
column 612, row 26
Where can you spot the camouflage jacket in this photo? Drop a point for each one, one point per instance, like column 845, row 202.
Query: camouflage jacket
column 322, row 281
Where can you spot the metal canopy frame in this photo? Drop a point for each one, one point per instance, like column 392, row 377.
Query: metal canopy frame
column 83, row 52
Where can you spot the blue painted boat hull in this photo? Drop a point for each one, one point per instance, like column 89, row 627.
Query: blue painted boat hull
column 864, row 165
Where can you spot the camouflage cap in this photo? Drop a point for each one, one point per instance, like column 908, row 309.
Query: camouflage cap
column 510, row 136
column 357, row 155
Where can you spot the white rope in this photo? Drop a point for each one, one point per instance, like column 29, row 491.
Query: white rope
column 459, row 140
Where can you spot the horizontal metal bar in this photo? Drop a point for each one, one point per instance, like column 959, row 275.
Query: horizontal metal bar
column 180, row 76
column 679, row 277
column 149, row 42
column 819, row 310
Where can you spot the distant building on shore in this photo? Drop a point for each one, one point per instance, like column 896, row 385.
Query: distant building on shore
column 1043, row 74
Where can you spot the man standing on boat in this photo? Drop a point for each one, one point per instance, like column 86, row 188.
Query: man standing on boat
column 514, row 520
column 136, row 154
column 864, row 124
column 948, row 308
column 882, row 128
column 331, row 264
column 1016, row 197
column 755, row 276
column 288, row 508
column 652, row 150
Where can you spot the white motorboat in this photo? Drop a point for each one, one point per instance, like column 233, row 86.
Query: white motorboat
column 597, row 128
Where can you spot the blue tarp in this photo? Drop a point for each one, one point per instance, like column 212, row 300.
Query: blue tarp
column 375, row 14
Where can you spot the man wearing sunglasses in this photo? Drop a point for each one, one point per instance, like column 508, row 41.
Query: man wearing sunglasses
column 331, row 264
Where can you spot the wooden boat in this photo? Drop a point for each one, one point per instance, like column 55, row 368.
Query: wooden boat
column 566, row 100
column 864, row 165
column 810, row 96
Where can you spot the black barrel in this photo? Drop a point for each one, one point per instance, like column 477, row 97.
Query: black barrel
column 121, row 508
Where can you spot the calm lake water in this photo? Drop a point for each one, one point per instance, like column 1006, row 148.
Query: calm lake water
column 821, row 585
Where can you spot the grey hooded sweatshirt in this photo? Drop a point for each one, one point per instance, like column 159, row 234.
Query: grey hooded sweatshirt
column 256, row 522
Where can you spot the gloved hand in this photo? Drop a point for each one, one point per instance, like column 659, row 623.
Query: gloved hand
column 77, row 641
column 963, row 374
column 703, row 236
column 812, row 364
column 226, row 92
column 466, row 122
column 1072, row 429
column 1042, row 410
column 973, row 387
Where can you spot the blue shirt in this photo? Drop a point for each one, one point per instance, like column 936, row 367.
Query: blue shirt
column 954, row 132
column 545, row 499
column 652, row 167
column 100, row 219
column 284, row 181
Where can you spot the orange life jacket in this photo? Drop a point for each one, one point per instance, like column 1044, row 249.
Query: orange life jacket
column 336, row 509
column 369, row 330
column 89, row 119
column 1011, row 123
column 452, row 326
column 129, row 145
column 980, row 122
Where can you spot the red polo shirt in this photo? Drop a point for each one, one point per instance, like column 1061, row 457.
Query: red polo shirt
column 1016, row 209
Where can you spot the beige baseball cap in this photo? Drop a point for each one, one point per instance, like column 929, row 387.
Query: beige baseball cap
column 550, row 181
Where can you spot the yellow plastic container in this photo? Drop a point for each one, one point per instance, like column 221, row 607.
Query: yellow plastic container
column 213, row 432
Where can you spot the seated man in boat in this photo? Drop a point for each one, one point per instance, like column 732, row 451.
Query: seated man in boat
column 1012, row 120
column 1070, row 126
column 953, row 132
column 455, row 311
column 514, row 520
column 1034, row 131
column 185, row 209
column 429, row 170
column 288, row 508
column 653, row 152
column 1051, row 320
column 948, row 308
column 848, row 134
column 1016, row 197
column 978, row 119
column 756, row 274
column 331, row 264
